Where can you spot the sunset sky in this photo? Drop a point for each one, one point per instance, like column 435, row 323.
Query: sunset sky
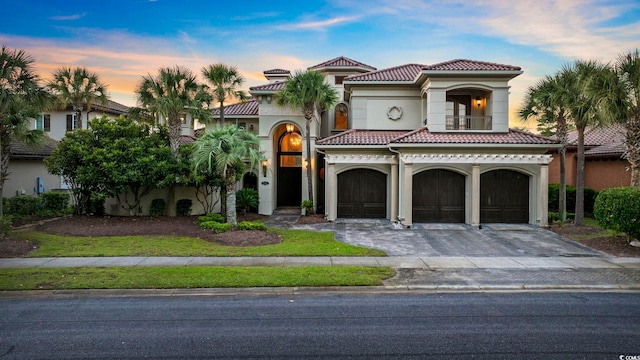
column 121, row 40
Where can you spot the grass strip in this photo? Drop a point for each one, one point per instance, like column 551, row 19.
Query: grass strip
column 294, row 243
column 190, row 277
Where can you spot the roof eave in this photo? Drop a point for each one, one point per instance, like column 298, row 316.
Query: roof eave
column 474, row 145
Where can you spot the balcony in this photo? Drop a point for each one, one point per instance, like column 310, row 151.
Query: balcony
column 468, row 122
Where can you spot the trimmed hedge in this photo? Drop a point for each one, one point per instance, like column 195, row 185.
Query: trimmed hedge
column 215, row 217
column 183, row 207
column 216, row 226
column 248, row 225
column 55, row 201
column 157, row 207
column 619, row 209
column 589, row 198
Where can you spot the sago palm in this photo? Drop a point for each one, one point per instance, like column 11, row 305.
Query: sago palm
column 227, row 150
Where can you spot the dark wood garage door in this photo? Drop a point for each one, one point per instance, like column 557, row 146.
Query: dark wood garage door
column 504, row 197
column 438, row 196
column 362, row 193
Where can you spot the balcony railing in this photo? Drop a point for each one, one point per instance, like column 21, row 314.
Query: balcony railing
column 468, row 122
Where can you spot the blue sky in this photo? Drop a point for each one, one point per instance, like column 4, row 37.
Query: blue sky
column 123, row 40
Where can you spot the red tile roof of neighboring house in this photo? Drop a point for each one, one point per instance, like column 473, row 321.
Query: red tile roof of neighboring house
column 249, row 107
column 424, row 136
column 601, row 140
column 342, row 62
column 187, row 139
column 406, row 72
column 274, row 86
column 470, row 65
column 20, row 150
column 112, row 107
column 362, row 137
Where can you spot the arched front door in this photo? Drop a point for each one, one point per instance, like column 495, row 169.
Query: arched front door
column 290, row 169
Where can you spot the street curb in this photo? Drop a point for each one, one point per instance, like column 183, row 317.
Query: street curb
column 315, row 291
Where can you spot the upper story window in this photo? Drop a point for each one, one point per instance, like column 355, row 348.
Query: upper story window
column 183, row 119
column 72, row 122
column 342, row 117
column 43, row 122
column 339, row 80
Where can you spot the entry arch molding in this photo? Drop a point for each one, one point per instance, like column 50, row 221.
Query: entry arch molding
column 507, row 195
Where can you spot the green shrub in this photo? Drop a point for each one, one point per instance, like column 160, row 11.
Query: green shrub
column 5, row 225
column 216, row 226
column 248, row 225
column 554, row 195
column 157, row 207
column 183, row 207
column 554, row 216
column 97, row 204
column 619, row 209
column 23, row 205
column 55, row 201
column 215, row 217
column 246, row 200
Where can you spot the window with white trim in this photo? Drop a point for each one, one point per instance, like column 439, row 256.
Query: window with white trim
column 72, row 122
column 43, row 122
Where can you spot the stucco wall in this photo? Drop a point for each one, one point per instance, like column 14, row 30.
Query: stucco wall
column 23, row 175
column 598, row 173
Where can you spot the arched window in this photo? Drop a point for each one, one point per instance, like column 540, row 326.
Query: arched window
column 342, row 117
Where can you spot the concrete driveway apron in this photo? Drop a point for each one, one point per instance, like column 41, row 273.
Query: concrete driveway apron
column 431, row 240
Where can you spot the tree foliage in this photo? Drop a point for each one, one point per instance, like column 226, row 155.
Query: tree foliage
column 21, row 99
column 114, row 158
column 224, row 82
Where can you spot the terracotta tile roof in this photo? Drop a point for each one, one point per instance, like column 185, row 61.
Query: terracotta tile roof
column 20, row 150
column 247, row 108
column 470, row 65
column 599, row 136
column 112, row 107
column 187, row 139
column 274, row 86
column 617, row 149
column 276, row 71
column 406, row 72
column 424, row 136
column 342, row 62
column 362, row 137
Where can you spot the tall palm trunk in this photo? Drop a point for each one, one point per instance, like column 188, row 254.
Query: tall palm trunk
column 174, row 143
column 579, row 219
column 231, row 197
column 562, row 196
column 221, row 114
column 309, row 172
column 632, row 142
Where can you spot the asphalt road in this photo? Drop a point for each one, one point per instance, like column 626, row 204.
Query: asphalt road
column 421, row 326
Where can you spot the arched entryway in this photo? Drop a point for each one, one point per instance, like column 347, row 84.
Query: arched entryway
column 438, row 196
column 504, row 197
column 289, row 167
column 362, row 193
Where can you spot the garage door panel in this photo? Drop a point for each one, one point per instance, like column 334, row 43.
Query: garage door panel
column 504, row 197
column 362, row 193
column 438, row 196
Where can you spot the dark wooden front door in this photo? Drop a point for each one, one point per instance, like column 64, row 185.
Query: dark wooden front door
column 362, row 193
column 438, row 196
column 504, row 197
column 289, row 169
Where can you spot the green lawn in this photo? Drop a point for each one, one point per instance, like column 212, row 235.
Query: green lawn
column 190, row 277
column 294, row 243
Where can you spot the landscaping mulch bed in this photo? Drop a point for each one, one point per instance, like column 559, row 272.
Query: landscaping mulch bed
column 613, row 245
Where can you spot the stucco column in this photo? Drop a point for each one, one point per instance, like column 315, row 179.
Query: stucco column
column 543, row 194
column 475, row 195
column 407, row 195
column 394, row 192
column 331, row 192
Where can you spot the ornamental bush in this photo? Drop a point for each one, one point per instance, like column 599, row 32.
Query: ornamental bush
column 157, row 207
column 214, row 217
column 248, row 225
column 55, row 201
column 619, row 209
column 589, row 198
column 216, row 226
column 183, row 207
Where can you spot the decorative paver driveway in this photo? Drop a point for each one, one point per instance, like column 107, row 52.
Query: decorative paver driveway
column 496, row 240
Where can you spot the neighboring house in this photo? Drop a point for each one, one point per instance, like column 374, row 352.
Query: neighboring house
column 412, row 144
column 27, row 173
column 605, row 165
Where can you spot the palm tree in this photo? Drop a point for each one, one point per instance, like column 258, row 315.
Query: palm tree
column 172, row 93
column 79, row 88
column 309, row 92
column 624, row 100
column 21, row 99
column 585, row 104
column 546, row 101
column 225, row 150
column 224, row 80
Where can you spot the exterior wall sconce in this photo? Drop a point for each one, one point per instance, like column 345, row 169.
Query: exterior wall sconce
column 290, row 128
column 264, row 167
column 478, row 101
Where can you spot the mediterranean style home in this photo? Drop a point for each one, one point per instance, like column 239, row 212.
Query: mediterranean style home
column 412, row 144
column 605, row 164
column 27, row 173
